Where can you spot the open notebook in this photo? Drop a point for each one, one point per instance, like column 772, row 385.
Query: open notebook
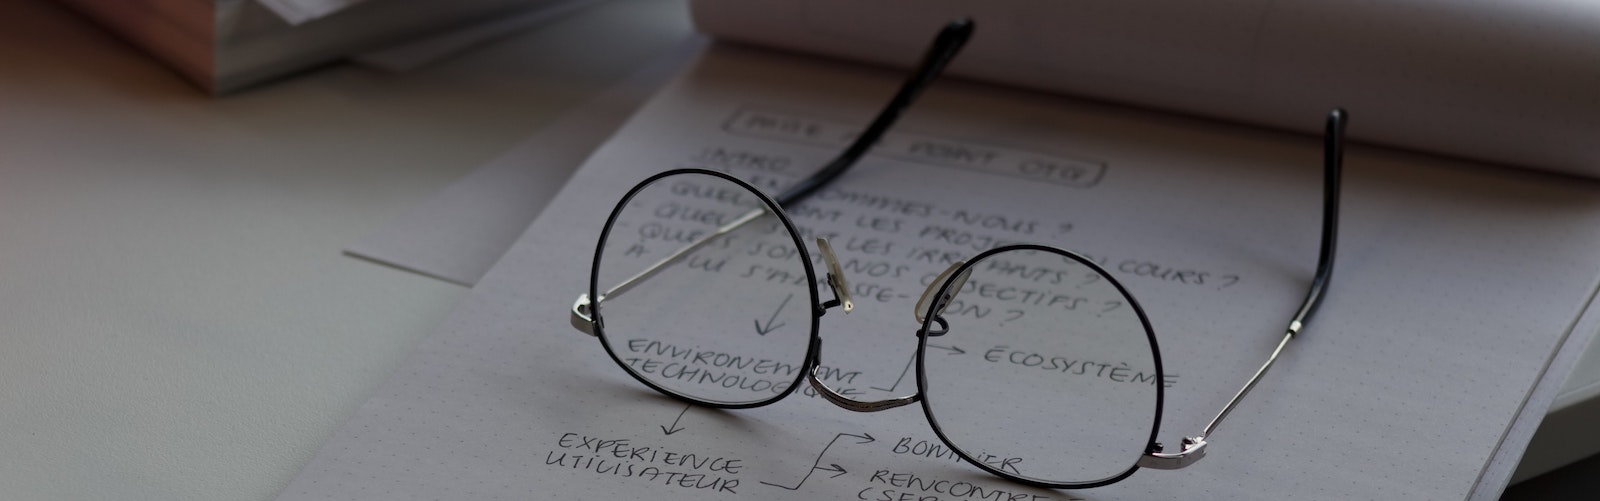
column 1456, row 285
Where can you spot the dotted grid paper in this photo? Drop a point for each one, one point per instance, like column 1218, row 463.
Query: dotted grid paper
column 1455, row 284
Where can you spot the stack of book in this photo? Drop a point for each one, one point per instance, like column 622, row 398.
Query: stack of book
column 225, row 45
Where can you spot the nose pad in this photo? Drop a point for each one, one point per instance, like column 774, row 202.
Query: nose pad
column 841, row 289
column 927, row 299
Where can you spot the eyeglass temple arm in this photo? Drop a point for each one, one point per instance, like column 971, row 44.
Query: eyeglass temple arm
column 943, row 50
column 1332, row 160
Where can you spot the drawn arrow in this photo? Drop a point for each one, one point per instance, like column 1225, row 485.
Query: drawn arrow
column 864, row 438
column 833, row 467
column 951, row 349
column 674, row 428
column 769, row 328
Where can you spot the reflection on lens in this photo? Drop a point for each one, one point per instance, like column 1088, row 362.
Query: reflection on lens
column 728, row 319
column 1060, row 380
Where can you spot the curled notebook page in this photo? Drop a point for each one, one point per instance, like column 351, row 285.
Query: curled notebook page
column 1515, row 83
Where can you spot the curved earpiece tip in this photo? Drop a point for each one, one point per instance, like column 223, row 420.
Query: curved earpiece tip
column 958, row 31
column 1337, row 119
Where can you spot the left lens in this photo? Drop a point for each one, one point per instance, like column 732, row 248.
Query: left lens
column 706, row 293
column 1060, row 382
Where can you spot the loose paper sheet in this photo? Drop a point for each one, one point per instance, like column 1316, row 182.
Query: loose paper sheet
column 1454, row 287
column 457, row 235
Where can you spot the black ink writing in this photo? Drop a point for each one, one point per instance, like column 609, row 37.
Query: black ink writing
column 1120, row 372
column 735, row 158
column 708, row 367
column 918, row 486
column 623, row 458
column 937, row 450
column 864, row 438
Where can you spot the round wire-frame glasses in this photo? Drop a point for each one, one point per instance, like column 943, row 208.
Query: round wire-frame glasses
column 762, row 218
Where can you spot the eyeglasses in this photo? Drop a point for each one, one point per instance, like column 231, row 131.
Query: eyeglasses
column 1070, row 395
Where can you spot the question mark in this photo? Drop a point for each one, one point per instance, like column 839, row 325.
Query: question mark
column 1090, row 278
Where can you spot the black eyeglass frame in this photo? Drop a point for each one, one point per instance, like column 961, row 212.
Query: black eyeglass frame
column 932, row 325
column 772, row 207
column 944, row 48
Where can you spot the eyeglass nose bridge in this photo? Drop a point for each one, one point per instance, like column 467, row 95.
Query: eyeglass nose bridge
column 839, row 399
column 841, row 291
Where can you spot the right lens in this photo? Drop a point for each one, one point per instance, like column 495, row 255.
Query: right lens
column 706, row 293
column 1060, row 383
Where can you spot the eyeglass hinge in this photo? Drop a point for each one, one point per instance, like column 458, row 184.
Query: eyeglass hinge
column 1194, row 448
column 581, row 318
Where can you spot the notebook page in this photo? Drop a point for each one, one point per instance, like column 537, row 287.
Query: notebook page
column 1513, row 83
column 1455, row 285
column 1515, row 461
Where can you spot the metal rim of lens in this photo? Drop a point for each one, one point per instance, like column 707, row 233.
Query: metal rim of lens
column 803, row 255
column 922, row 379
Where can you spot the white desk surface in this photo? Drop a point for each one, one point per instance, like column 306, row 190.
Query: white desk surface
column 176, row 319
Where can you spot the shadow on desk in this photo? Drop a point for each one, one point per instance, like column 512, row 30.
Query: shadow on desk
column 1572, row 481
